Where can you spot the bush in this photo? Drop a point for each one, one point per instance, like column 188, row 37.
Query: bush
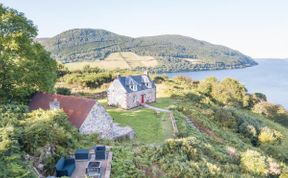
column 10, row 114
column 90, row 80
column 275, row 112
column 229, row 92
column 266, row 109
column 186, row 81
column 225, row 118
column 63, row 91
column 257, row 98
column 11, row 160
column 249, row 131
column 270, row 136
column 252, row 161
column 258, row 164
column 47, row 127
column 159, row 79
column 95, row 80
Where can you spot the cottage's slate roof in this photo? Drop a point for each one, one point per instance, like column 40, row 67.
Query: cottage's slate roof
column 136, row 79
column 76, row 108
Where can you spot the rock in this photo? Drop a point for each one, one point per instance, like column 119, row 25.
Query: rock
column 122, row 132
column 40, row 167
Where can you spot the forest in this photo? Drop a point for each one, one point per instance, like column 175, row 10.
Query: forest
column 172, row 51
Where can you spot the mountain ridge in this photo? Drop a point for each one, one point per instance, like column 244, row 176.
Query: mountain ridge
column 172, row 50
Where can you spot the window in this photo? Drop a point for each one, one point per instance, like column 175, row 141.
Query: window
column 146, row 82
column 132, row 86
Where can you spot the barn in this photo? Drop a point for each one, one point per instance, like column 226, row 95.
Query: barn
column 87, row 115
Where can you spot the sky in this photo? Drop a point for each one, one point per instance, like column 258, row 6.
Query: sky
column 257, row 28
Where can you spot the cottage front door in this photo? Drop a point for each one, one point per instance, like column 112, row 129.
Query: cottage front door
column 142, row 99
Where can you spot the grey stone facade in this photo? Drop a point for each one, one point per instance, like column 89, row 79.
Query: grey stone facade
column 134, row 99
column 100, row 122
column 129, row 92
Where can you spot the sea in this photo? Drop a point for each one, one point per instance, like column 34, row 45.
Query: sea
column 269, row 77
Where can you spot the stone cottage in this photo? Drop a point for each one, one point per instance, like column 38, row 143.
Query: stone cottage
column 131, row 91
column 87, row 115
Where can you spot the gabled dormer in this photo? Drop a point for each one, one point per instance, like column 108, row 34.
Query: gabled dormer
column 132, row 84
column 147, row 82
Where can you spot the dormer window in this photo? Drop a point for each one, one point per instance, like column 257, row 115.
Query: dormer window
column 147, row 82
column 132, row 86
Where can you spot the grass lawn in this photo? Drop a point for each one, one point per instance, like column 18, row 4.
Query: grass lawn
column 150, row 127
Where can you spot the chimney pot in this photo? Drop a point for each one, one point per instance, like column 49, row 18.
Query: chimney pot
column 55, row 104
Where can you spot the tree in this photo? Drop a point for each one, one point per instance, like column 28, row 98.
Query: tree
column 25, row 67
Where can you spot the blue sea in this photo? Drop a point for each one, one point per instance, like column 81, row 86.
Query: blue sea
column 269, row 77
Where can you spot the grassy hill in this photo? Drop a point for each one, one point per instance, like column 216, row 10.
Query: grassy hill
column 215, row 140
column 117, row 60
column 173, row 52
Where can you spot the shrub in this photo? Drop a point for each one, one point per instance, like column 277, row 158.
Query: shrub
column 63, row 91
column 47, row 127
column 205, row 87
column 267, row 109
column 248, row 130
column 90, row 78
column 232, row 152
column 257, row 98
column 159, row 79
column 11, row 160
column 225, row 118
column 10, row 114
column 270, row 136
column 273, row 168
column 186, row 81
column 252, row 161
column 229, row 92
column 284, row 173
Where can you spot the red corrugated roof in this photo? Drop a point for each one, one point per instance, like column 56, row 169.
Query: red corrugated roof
column 77, row 108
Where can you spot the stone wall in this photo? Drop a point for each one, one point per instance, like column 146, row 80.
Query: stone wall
column 100, row 122
column 134, row 99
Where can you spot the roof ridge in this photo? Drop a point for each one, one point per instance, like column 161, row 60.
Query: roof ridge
column 67, row 96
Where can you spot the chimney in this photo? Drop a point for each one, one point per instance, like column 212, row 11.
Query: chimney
column 146, row 72
column 54, row 105
column 118, row 75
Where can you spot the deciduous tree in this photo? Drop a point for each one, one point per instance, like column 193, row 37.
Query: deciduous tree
column 25, row 67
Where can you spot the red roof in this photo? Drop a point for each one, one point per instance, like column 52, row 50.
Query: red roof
column 77, row 108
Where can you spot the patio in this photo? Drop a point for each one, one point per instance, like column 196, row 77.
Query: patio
column 99, row 159
column 81, row 165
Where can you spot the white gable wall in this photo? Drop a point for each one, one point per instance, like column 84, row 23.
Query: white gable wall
column 117, row 95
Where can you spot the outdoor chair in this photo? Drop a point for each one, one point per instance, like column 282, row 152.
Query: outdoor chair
column 82, row 154
column 100, row 152
column 65, row 167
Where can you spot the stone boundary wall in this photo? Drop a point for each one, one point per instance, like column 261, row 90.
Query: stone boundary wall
column 174, row 125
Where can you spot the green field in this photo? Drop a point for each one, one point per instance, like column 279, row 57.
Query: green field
column 150, row 126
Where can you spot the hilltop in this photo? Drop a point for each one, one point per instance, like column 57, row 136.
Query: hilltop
column 172, row 52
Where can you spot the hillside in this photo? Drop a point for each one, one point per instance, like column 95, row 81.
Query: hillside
column 174, row 52
column 117, row 60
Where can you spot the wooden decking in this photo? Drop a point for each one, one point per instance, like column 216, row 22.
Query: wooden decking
column 81, row 165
